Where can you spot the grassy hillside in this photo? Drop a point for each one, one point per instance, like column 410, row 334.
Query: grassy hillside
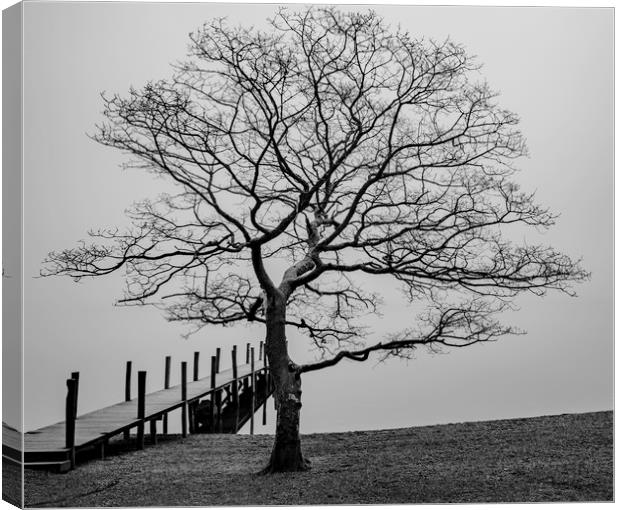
column 552, row 458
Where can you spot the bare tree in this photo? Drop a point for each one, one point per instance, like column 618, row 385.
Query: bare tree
column 340, row 148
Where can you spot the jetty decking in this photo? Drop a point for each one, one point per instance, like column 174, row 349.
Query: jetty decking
column 231, row 398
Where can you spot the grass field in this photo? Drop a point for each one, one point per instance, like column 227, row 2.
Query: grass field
column 552, row 458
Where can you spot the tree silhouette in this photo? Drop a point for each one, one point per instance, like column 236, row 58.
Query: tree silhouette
column 336, row 148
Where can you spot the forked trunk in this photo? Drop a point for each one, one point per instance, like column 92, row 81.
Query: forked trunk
column 286, row 455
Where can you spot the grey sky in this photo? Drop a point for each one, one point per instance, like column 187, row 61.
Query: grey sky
column 552, row 66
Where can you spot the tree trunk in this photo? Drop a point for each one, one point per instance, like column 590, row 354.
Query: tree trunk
column 286, row 455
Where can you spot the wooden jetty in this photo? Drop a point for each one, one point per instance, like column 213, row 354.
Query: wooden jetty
column 221, row 402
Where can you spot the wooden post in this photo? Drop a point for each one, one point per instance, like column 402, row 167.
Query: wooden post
column 128, row 382
column 218, row 353
column 260, row 350
column 141, row 408
column 253, row 379
column 71, row 405
column 246, row 380
column 153, row 431
column 167, row 372
column 218, row 404
column 191, row 406
column 196, row 360
column 184, row 398
column 127, row 392
column 213, row 371
column 233, row 357
column 166, row 386
column 266, row 391
column 235, row 387
column 76, row 376
column 102, row 447
column 190, row 417
column 213, row 384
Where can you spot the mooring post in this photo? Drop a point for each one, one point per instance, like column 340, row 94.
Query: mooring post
column 213, row 384
column 218, row 353
column 235, row 387
column 166, row 386
column 184, row 398
column 127, row 392
column 141, row 408
column 70, row 406
column 253, row 379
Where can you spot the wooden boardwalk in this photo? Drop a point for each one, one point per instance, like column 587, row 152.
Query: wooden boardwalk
column 243, row 387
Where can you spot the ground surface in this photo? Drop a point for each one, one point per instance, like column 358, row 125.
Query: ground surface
column 556, row 458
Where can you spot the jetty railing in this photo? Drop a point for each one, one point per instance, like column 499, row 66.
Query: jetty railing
column 222, row 402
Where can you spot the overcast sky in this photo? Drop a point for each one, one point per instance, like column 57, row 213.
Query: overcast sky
column 553, row 66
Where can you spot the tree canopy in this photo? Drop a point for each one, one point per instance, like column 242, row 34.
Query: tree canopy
column 341, row 147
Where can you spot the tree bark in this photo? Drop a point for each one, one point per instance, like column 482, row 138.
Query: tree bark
column 286, row 455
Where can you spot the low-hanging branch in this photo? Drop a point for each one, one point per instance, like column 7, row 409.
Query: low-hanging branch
column 459, row 326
